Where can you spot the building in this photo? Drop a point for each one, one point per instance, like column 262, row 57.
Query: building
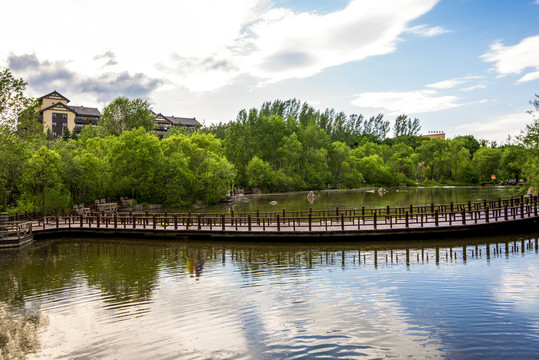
column 57, row 115
column 163, row 123
column 435, row 135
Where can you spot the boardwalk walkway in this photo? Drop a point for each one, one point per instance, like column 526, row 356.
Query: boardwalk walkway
column 516, row 212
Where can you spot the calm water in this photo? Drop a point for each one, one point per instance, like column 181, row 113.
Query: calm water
column 127, row 299
column 368, row 197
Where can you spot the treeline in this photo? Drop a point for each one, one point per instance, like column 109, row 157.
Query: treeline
column 287, row 145
column 283, row 146
column 50, row 176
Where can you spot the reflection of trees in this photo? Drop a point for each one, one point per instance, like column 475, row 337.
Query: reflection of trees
column 126, row 271
column 33, row 270
column 18, row 333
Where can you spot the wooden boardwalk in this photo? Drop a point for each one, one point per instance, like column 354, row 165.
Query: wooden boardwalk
column 432, row 220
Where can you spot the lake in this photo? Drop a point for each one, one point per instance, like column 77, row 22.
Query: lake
column 459, row 298
column 369, row 197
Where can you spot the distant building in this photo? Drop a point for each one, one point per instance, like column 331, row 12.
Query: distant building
column 435, row 135
column 163, row 123
column 56, row 115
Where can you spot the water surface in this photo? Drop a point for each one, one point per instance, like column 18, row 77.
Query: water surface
column 127, row 299
column 369, row 197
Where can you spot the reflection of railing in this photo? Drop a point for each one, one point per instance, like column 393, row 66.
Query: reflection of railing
column 413, row 217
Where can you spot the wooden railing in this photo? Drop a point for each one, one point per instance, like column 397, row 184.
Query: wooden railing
column 311, row 220
column 17, row 230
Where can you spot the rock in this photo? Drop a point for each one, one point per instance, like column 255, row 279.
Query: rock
column 273, row 203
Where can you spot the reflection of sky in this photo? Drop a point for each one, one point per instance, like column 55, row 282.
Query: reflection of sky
column 255, row 310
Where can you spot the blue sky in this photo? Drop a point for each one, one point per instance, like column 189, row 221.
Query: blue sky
column 460, row 66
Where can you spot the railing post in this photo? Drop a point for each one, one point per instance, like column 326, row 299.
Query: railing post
column 487, row 215
column 199, row 225
column 436, row 218
column 342, row 222
column 469, row 205
column 81, row 221
column 522, row 208
column 406, row 218
column 278, row 223
column 134, row 221
column 505, row 214
column 57, row 221
column 374, row 219
column 463, row 217
column 175, row 222
column 363, row 214
column 249, row 221
column 310, row 221
column 97, row 217
column 223, row 222
column 153, row 220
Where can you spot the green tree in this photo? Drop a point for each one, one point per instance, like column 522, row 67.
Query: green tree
column 404, row 126
column 487, row 162
column 259, row 174
column 123, row 114
column 42, row 181
column 136, row 164
column 530, row 141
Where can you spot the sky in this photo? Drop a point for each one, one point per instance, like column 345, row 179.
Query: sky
column 464, row 67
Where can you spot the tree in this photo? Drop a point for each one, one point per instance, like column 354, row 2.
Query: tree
column 530, row 140
column 66, row 135
column 259, row 174
column 17, row 112
column 42, row 181
column 136, row 164
column 123, row 114
column 406, row 126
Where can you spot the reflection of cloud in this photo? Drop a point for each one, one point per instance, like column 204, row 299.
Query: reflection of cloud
column 520, row 290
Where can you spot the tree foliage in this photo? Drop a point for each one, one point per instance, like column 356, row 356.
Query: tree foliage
column 123, row 114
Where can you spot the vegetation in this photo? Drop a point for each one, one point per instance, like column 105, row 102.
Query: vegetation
column 283, row 146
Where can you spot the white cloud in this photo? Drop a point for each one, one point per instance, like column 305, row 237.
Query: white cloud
column 425, row 31
column 411, row 102
column 204, row 44
column 497, row 128
column 449, row 84
column 515, row 59
column 529, row 77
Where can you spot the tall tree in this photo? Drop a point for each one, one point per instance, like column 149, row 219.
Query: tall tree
column 406, row 126
column 123, row 114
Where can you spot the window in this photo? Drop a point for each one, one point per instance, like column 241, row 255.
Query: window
column 64, row 116
column 54, row 123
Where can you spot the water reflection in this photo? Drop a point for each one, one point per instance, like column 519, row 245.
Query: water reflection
column 466, row 298
column 368, row 197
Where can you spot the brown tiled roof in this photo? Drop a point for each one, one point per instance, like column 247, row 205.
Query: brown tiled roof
column 85, row 111
column 183, row 121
